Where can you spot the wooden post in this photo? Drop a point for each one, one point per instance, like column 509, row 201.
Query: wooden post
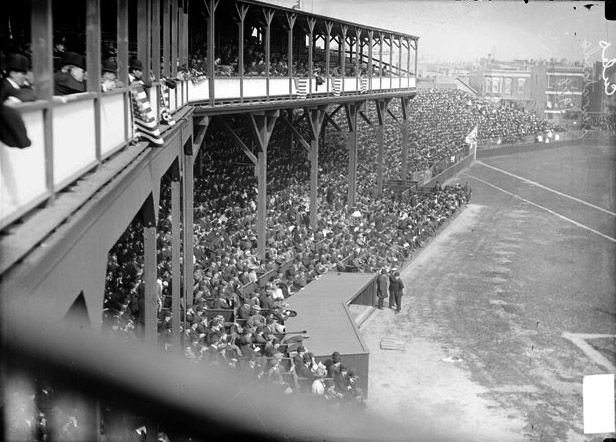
column 176, row 269
column 268, row 15
column 211, row 6
column 42, row 68
column 381, row 39
column 408, row 58
column 342, row 50
column 188, row 226
column 291, row 22
column 370, row 42
column 391, row 59
column 166, row 38
column 311, row 23
column 262, row 126
column 416, row 49
column 352, row 109
column 143, row 40
column 328, row 28
column 93, row 66
column 156, row 38
column 149, row 272
column 357, row 59
column 242, row 10
column 314, row 118
column 381, row 106
column 405, row 139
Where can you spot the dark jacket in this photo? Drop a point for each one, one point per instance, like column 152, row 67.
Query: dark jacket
column 396, row 286
column 65, row 84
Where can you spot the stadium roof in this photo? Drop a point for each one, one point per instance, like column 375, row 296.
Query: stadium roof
column 320, row 26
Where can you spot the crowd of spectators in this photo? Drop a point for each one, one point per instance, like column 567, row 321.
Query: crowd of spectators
column 226, row 324
column 439, row 122
column 605, row 122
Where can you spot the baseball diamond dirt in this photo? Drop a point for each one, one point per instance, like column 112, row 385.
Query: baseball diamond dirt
column 509, row 307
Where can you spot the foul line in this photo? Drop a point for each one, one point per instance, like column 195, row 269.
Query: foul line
column 543, row 208
column 547, row 188
column 579, row 339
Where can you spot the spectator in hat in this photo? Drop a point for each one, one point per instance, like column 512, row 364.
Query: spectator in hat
column 397, row 289
column 392, row 298
column 71, row 79
column 135, row 71
column 15, row 87
column 382, row 286
column 109, row 80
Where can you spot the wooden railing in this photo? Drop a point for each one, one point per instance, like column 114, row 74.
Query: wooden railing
column 238, row 89
column 70, row 135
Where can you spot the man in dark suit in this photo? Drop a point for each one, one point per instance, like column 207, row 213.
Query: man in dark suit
column 15, row 88
column 397, row 289
column 71, row 77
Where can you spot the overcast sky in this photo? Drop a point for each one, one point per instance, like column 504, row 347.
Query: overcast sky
column 467, row 30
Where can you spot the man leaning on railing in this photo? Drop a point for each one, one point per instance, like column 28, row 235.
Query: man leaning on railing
column 15, row 86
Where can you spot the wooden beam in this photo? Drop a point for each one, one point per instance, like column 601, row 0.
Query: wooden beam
column 393, row 116
column 238, row 142
column 331, row 121
column 315, row 118
column 295, row 132
column 262, row 125
column 365, row 118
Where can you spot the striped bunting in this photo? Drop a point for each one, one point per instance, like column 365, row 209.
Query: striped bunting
column 165, row 113
column 144, row 119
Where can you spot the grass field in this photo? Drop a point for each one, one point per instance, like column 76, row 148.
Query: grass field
column 510, row 291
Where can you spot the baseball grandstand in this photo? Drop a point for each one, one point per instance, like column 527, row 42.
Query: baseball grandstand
column 256, row 226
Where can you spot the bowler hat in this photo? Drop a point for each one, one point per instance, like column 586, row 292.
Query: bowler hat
column 136, row 64
column 16, row 62
column 73, row 59
column 110, row 66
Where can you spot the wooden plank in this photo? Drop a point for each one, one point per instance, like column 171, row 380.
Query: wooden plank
column 238, row 142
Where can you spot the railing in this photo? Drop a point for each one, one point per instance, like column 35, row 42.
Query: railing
column 252, row 88
column 70, row 136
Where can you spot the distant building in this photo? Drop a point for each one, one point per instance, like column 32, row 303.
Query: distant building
column 565, row 87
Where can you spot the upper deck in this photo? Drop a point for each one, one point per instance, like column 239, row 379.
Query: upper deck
column 264, row 55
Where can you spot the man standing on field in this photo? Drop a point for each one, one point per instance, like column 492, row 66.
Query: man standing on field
column 397, row 287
